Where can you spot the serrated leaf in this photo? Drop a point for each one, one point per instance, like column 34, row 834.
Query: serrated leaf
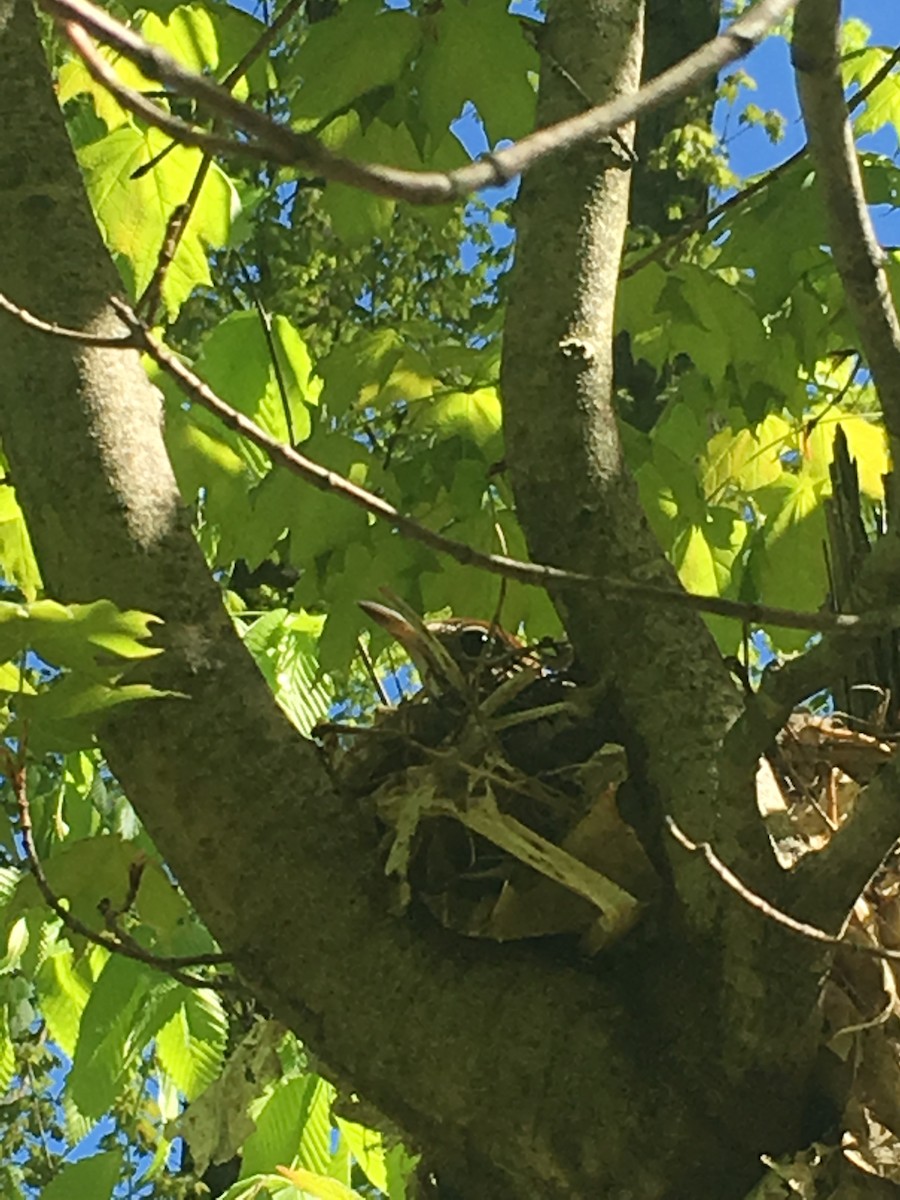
column 7, row 1051
column 86, row 637
column 134, row 213
column 294, row 1125
column 63, row 991
column 191, row 1045
column 882, row 106
column 106, row 1050
column 361, row 48
column 476, row 51
column 285, row 647
column 95, row 1177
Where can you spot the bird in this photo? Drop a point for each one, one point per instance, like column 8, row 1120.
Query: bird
column 454, row 652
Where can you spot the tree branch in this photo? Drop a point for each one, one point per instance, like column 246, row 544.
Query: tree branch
column 532, row 574
column 112, row 940
column 279, row 144
column 857, row 254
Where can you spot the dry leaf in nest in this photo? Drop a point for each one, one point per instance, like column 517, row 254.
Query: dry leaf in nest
column 485, row 873
column 809, row 785
column 873, row 1148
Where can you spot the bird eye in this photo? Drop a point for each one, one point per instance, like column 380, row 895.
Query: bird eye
column 472, row 641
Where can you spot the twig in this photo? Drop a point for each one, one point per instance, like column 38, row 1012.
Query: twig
column 119, row 342
column 811, row 932
column 279, row 144
column 149, row 301
column 372, row 673
column 533, row 574
column 173, row 965
column 265, row 320
column 180, row 218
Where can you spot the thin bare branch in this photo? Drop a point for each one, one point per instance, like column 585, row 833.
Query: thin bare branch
column 72, row 335
column 279, row 144
column 533, row 574
column 811, row 932
column 109, row 940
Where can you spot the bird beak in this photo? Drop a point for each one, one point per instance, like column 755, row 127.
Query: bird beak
column 395, row 624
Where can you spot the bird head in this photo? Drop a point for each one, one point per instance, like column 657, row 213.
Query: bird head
column 452, row 650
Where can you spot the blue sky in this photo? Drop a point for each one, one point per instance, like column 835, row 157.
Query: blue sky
column 771, row 68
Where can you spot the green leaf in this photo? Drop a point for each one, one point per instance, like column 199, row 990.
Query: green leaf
column 7, row 1051
column 63, row 990
column 188, row 33
column 203, row 457
column 778, row 235
column 473, row 415
column 293, row 1126
column 68, row 715
column 399, row 1164
column 357, row 215
column 107, row 1049
column 706, row 557
column 16, row 555
column 746, row 459
column 882, row 106
column 191, row 1045
column 867, row 444
column 134, row 213
column 93, row 1177
column 236, row 362
column 476, row 51
column 311, row 1183
column 75, row 79
column 367, row 1147
column 285, row 647
column 376, row 369
column 86, row 637
column 788, row 563
column 359, row 49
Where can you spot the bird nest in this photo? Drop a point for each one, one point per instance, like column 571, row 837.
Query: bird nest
column 501, row 811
